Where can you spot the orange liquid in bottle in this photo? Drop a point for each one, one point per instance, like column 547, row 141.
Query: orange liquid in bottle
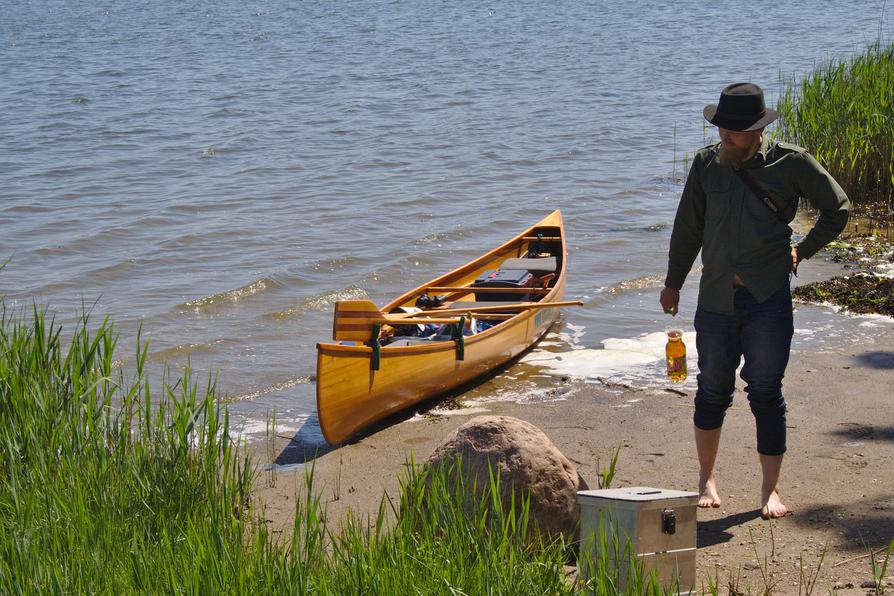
column 675, row 350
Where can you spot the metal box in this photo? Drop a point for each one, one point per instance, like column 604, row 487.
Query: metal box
column 657, row 525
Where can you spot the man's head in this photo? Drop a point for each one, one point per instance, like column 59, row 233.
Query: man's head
column 740, row 116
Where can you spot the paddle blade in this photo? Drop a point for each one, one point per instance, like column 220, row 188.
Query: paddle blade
column 354, row 320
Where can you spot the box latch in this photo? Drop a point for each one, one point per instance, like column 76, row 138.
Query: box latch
column 668, row 522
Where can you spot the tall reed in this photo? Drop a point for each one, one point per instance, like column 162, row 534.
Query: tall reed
column 99, row 489
column 843, row 113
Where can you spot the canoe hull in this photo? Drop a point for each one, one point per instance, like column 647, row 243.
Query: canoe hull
column 351, row 395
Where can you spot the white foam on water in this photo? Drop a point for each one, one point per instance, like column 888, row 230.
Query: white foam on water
column 550, row 343
column 572, row 335
column 464, row 411
column 873, row 320
column 257, row 427
column 637, row 362
column 526, row 393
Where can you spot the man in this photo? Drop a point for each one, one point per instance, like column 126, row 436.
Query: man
column 739, row 198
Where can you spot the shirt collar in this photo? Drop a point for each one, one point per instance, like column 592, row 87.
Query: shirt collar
column 760, row 158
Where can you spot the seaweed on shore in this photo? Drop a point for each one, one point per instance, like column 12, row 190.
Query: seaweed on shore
column 862, row 293
column 860, row 251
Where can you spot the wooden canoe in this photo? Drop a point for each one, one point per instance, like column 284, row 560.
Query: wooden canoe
column 359, row 383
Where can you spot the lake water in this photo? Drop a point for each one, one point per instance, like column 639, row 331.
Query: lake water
column 218, row 174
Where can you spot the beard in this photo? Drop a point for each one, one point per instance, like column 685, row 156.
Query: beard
column 734, row 156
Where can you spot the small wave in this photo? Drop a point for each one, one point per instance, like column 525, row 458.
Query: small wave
column 434, row 238
column 112, row 271
column 27, row 209
column 320, row 302
column 657, row 227
column 251, row 289
column 670, row 179
column 333, row 264
column 186, row 350
column 639, row 283
column 275, row 388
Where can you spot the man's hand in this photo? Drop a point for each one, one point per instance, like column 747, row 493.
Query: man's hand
column 795, row 260
column 670, row 300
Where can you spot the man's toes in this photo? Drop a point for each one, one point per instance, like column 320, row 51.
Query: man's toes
column 774, row 511
column 707, row 501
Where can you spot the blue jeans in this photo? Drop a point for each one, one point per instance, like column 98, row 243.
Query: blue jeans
column 762, row 333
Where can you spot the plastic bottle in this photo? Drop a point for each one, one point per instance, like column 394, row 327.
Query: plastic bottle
column 675, row 350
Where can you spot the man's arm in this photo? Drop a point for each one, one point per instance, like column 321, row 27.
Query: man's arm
column 825, row 195
column 686, row 237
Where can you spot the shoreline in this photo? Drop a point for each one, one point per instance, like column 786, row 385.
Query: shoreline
column 835, row 476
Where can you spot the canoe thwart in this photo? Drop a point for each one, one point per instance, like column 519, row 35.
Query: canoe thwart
column 543, row 238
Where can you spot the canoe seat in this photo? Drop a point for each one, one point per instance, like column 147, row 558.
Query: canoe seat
column 540, row 265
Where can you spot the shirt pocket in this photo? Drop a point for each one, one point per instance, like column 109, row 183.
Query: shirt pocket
column 717, row 197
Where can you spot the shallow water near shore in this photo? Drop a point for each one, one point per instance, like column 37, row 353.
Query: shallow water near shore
column 219, row 175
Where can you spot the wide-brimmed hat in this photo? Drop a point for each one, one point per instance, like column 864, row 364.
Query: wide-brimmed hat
column 741, row 107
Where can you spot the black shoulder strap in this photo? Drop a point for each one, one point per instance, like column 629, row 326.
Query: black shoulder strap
column 761, row 194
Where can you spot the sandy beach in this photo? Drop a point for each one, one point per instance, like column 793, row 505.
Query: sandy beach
column 837, row 477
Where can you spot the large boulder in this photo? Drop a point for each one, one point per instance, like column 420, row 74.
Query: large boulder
column 528, row 464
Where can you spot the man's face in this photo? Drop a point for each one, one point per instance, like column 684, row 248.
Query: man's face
column 737, row 147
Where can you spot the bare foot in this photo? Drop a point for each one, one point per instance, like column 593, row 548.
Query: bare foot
column 773, row 507
column 707, row 492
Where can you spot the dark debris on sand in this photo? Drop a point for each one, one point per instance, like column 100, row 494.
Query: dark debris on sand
column 860, row 293
column 860, row 251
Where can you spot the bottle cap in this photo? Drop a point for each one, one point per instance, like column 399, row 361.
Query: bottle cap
column 674, row 333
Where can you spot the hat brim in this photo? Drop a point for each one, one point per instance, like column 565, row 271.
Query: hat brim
column 718, row 120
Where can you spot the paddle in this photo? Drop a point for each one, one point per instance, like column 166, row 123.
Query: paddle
column 495, row 308
column 487, row 290
column 354, row 319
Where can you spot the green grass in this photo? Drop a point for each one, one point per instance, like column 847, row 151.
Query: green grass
column 98, row 490
column 104, row 490
column 843, row 113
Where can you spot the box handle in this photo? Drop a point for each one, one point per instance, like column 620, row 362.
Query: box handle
column 668, row 522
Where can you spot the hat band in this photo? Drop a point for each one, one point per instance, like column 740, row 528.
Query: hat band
column 740, row 117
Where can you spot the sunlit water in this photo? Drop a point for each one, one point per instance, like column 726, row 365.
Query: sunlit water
column 219, row 174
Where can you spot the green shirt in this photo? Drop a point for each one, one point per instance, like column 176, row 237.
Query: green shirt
column 738, row 234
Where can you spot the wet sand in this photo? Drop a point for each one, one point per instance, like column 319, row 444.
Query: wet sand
column 837, row 477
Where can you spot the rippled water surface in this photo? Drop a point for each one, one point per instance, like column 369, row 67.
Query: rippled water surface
column 220, row 173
